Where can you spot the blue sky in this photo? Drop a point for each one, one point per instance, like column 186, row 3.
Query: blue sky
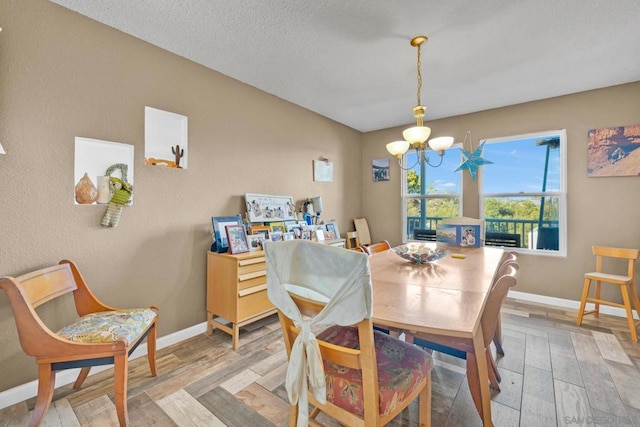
column 518, row 166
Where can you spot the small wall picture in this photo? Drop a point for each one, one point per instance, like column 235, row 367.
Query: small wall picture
column 613, row 151
column 380, row 169
column 237, row 239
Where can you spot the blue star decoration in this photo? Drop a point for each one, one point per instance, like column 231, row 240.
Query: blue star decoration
column 473, row 161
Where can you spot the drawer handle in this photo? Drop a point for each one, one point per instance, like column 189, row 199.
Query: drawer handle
column 252, row 275
column 251, row 261
column 253, row 290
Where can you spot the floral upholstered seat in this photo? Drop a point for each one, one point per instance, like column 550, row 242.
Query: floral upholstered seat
column 401, row 367
column 109, row 326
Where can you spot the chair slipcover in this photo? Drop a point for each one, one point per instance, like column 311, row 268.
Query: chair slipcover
column 331, row 275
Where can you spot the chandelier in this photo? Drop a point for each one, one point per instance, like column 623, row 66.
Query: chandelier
column 416, row 136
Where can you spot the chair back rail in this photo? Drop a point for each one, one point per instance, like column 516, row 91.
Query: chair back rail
column 41, row 286
column 602, row 252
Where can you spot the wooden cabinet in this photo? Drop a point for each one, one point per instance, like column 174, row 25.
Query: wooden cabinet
column 236, row 291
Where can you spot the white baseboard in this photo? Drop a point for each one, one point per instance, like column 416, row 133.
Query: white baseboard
column 567, row 303
column 27, row 391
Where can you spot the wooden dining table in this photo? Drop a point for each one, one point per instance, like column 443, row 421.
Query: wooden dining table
column 446, row 298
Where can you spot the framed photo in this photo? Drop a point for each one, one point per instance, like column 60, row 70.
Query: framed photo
column 380, row 168
column 610, row 151
column 255, row 241
column 319, row 235
column 237, row 239
column 288, row 236
column 277, row 227
column 332, row 230
column 276, row 236
column 262, row 230
column 266, row 208
column 219, row 232
column 305, row 234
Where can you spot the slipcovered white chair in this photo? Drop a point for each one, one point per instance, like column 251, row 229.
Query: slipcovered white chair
column 348, row 374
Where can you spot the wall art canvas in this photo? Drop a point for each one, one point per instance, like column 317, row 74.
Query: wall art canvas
column 266, row 208
column 614, row 151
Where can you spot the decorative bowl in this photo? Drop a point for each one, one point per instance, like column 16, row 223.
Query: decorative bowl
column 420, row 254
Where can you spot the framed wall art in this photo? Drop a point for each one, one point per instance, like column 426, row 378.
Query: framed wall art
column 263, row 230
column 219, row 224
column 255, row 241
column 266, row 208
column 380, row 169
column 237, row 239
column 614, row 151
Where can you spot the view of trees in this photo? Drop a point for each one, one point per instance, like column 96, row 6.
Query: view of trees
column 503, row 208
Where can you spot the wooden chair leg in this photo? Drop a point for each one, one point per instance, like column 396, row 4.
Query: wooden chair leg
column 121, row 363
column 425, row 404
column 497, row 338
column 474, row 381
column 151, row 350
column 84, row 372
column 635, row 299
column 597, row 313
column 293, row 415
column 583, row 301
column 46, row 383
column 627, row 304
column 492, row 369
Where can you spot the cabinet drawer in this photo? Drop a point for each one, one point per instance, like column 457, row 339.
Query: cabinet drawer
column 253, row 304
column 253, row 279
column 251, row 268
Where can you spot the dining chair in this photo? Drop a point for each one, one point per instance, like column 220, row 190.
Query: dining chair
column 508, row 259
column 101, row 336
column 347, row 371
column 377, row 247
column 463, row 347
column 626, row 283
column 362, row 228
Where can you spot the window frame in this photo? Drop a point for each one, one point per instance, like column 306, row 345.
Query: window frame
column 404, row 194
column 561, row 194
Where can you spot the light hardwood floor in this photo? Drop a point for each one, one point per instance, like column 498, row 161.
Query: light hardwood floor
column 554, row 373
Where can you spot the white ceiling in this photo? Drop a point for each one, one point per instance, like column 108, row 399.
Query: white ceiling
column 351, row 60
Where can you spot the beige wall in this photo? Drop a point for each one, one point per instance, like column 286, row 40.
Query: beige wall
column 601, row 211
column 63, row 75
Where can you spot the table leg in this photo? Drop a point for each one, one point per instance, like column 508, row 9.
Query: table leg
column 479, row 380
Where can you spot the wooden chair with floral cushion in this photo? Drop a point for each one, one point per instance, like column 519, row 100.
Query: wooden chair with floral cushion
column 102, row 335
column 350, row 372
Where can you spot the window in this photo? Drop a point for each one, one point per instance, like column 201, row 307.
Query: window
column 523, row 193
column 430, row 194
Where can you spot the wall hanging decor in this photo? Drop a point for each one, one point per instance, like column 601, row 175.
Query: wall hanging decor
column 121, row 192
column 473, row 158
column 380, row 168
column 613, row 151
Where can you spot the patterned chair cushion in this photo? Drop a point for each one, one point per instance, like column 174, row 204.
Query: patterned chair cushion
column 109, row 326
column 401, row 367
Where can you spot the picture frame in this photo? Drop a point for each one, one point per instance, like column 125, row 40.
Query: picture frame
column 380, row 169
column 219, row 233
column 288, row 236
column 277, row 227
column 319, row 233
column 306, row 234
column 255, row 241
column 332, row 229
column 237, row 239
column 610, row 151
column 262, row 230
column 268, row 208
column 277, row 236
